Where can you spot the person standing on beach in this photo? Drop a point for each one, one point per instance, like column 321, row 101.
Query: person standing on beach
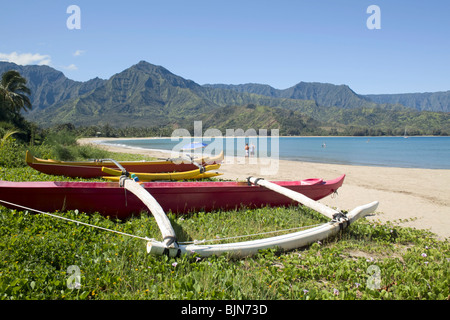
column 246, row 149
column 252, row 149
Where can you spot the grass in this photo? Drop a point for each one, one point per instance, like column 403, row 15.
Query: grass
column 46, row 258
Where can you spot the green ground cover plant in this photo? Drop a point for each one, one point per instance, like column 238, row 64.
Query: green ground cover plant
column 36, row 252
column 42, row 257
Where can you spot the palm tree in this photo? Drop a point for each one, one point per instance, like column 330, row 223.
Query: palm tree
column 14, row 92
column 7, row 134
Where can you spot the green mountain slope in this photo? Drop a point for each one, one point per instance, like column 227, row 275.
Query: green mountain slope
column 255, row 117
column 386, row 120
column 142, row 95
column 146, row 95
column 428, row 101
column 324, row 94
column 49, row 86
column 149, row 95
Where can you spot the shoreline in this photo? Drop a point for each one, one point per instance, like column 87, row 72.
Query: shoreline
column 417, row 197
column 370, row 160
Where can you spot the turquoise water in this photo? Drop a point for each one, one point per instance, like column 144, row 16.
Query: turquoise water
column 412, row 152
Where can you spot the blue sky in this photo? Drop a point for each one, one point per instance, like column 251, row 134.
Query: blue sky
column 278, row 43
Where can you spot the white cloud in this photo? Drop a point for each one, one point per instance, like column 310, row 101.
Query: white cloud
column 26, row 58
column 71, row 67
column 78, row 53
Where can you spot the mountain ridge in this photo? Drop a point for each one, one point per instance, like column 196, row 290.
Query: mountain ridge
column 440, row 100
column 49, row 85
column 344, row 96
column 147, row 95
column 437, row 101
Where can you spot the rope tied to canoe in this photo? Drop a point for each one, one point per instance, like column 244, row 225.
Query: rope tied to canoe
column 77, row 222
column 152, row 239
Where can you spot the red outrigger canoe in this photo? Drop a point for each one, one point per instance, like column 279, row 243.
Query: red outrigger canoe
column 93, row 169
column 109, row 199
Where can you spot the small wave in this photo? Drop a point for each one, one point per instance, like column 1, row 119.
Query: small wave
column 124, row 146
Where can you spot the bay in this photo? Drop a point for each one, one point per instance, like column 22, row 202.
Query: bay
column 411, row 152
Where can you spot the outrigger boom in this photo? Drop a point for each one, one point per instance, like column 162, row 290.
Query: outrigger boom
column 304, row 200
column 162, row 220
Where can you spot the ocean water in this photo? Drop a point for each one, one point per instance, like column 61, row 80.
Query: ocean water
column 411, row 152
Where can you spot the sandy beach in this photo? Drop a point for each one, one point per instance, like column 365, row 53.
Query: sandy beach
column 417, row 198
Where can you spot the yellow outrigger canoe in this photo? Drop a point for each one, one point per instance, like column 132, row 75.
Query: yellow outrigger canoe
column 93, row 169
column 114, row 174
